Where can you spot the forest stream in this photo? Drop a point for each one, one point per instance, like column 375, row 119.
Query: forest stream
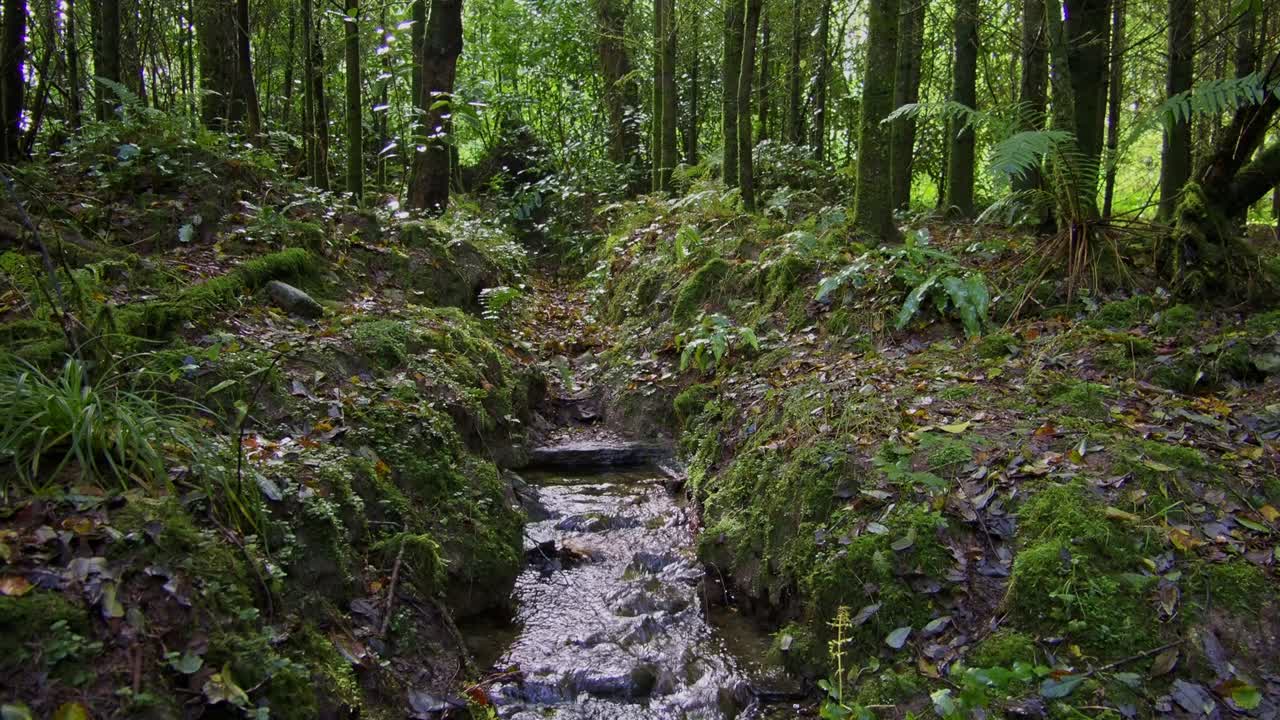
column 611, row 620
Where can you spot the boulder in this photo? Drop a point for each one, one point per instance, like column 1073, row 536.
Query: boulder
column 293, row 301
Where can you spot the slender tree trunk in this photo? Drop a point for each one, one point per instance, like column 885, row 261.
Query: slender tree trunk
column 960, row 161
column 762, row 88
column 106, row 55
column 621, row 95
column 731, row 67
column 695, row 71
column 670, row 104
column 656, row 105
column 906, row 89
column 355, row 114
column 1113, row 105
column 1073, row 164
column 1175, row 159
column 1034, row 82
column 795, row 112
column 248, row 91
column 1087, row 26
column 442, row 44
column 44, row 81
column 13, row 54
column 746, row 167
column 820, row 82
column 873, row 195
column 384, row 109
column 321, row 116
column 287, row 111
column 222, row 105
column 75, row 109
column 417, row 35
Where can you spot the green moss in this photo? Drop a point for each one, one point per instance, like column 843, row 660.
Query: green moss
column 1237, row 585
column 692, row 401
column 1085, row 399
column 959, row 391
column 420, row 561
column 386, row 342
column 698, row 289
column 945, row 453
column 997, row 345
column 1125, row 352
column 331, row 673
column 1064, row 511
column 1121, row 314
column 889, row 688
column 1177, row 321
column 1002, row 649
column 46, row 626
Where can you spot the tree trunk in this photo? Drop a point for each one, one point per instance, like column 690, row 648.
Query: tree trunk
column 695, row 70
column 820, row 82
column 795, row 113
column 355, row 114
column 13, row 54
column 1033, row 86
column 621, row 95
column 308, row 93
column 670, row 106
column 1087, row 25
column 1113, row 105
column 906, row 89
column 960, row 135
column 746, row 166
column 75, row 109
column 221, row 106
column 873, row 196
column 762, row 87
column 1246, row 42
column 247, row 91
column 442, row 44
column 321, row 115
column 106, row 53
column 383, row 111
column 656, row 105
column 730, row 67
column 1077, row 194
column 1175, row 158
column 287, row 111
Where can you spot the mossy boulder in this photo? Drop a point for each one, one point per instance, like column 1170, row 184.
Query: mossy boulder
column 700, row 288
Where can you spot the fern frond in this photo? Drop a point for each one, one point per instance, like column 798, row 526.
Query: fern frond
column 949, row 110
column 1019, row 154
column 127, row 97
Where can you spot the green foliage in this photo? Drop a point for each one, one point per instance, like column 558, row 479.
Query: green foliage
column 710, row 340
column 103, row 430
column 698, row 289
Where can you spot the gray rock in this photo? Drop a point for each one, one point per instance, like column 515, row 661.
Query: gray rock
column 292, row 300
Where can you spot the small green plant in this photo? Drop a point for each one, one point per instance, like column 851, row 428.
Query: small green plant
column 495, row 299
column 836, row 706
column 709, row 341
column 102, row 431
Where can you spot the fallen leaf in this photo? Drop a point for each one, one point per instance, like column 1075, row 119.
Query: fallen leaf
column 955, row 428
column 898, row 638
column 1164, row 662
column 865, row 614
column 71, row 711
column 14, row 586
column 1060, row 687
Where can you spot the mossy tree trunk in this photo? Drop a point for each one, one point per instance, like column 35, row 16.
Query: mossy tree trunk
column 621, row 94
column 13, row 53
column 821, row 82
column 960, row 134
column 71, row 44
column 106, row 53
column 906, row 89
column 442, row 44
column 795, row 113
column 762, row 86
column 246, row 90
column 1113, row 104
column 1034, row 81
column 695, row 71
column 670, row 106
column 1175, row 156
column 873, row 198
column 355, row 120
column 1087, row 25
column 746, row 166
column 730, row 67
column 655, row 101
column 1205, row 254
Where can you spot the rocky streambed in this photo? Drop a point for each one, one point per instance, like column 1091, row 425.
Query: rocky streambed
column 611, row 620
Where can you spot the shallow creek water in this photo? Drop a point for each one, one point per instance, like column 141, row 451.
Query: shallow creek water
column 610, row 618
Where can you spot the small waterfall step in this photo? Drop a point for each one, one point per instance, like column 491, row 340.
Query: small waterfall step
column 598, row 454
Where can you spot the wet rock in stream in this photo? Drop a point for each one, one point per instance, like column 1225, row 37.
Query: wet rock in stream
column 610, row 619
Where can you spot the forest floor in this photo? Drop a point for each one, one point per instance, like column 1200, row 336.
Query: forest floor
column 993, row 494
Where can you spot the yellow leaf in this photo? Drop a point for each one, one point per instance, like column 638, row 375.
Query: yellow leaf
column 71, row 711
column 14, row 586
column 1115, row 513
column 955, row 428
column 1270, row 513
column 1184, row 540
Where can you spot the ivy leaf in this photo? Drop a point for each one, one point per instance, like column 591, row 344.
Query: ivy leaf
column 972, row 300
column 914, row 299
column 71, row 711
column 187, row 664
